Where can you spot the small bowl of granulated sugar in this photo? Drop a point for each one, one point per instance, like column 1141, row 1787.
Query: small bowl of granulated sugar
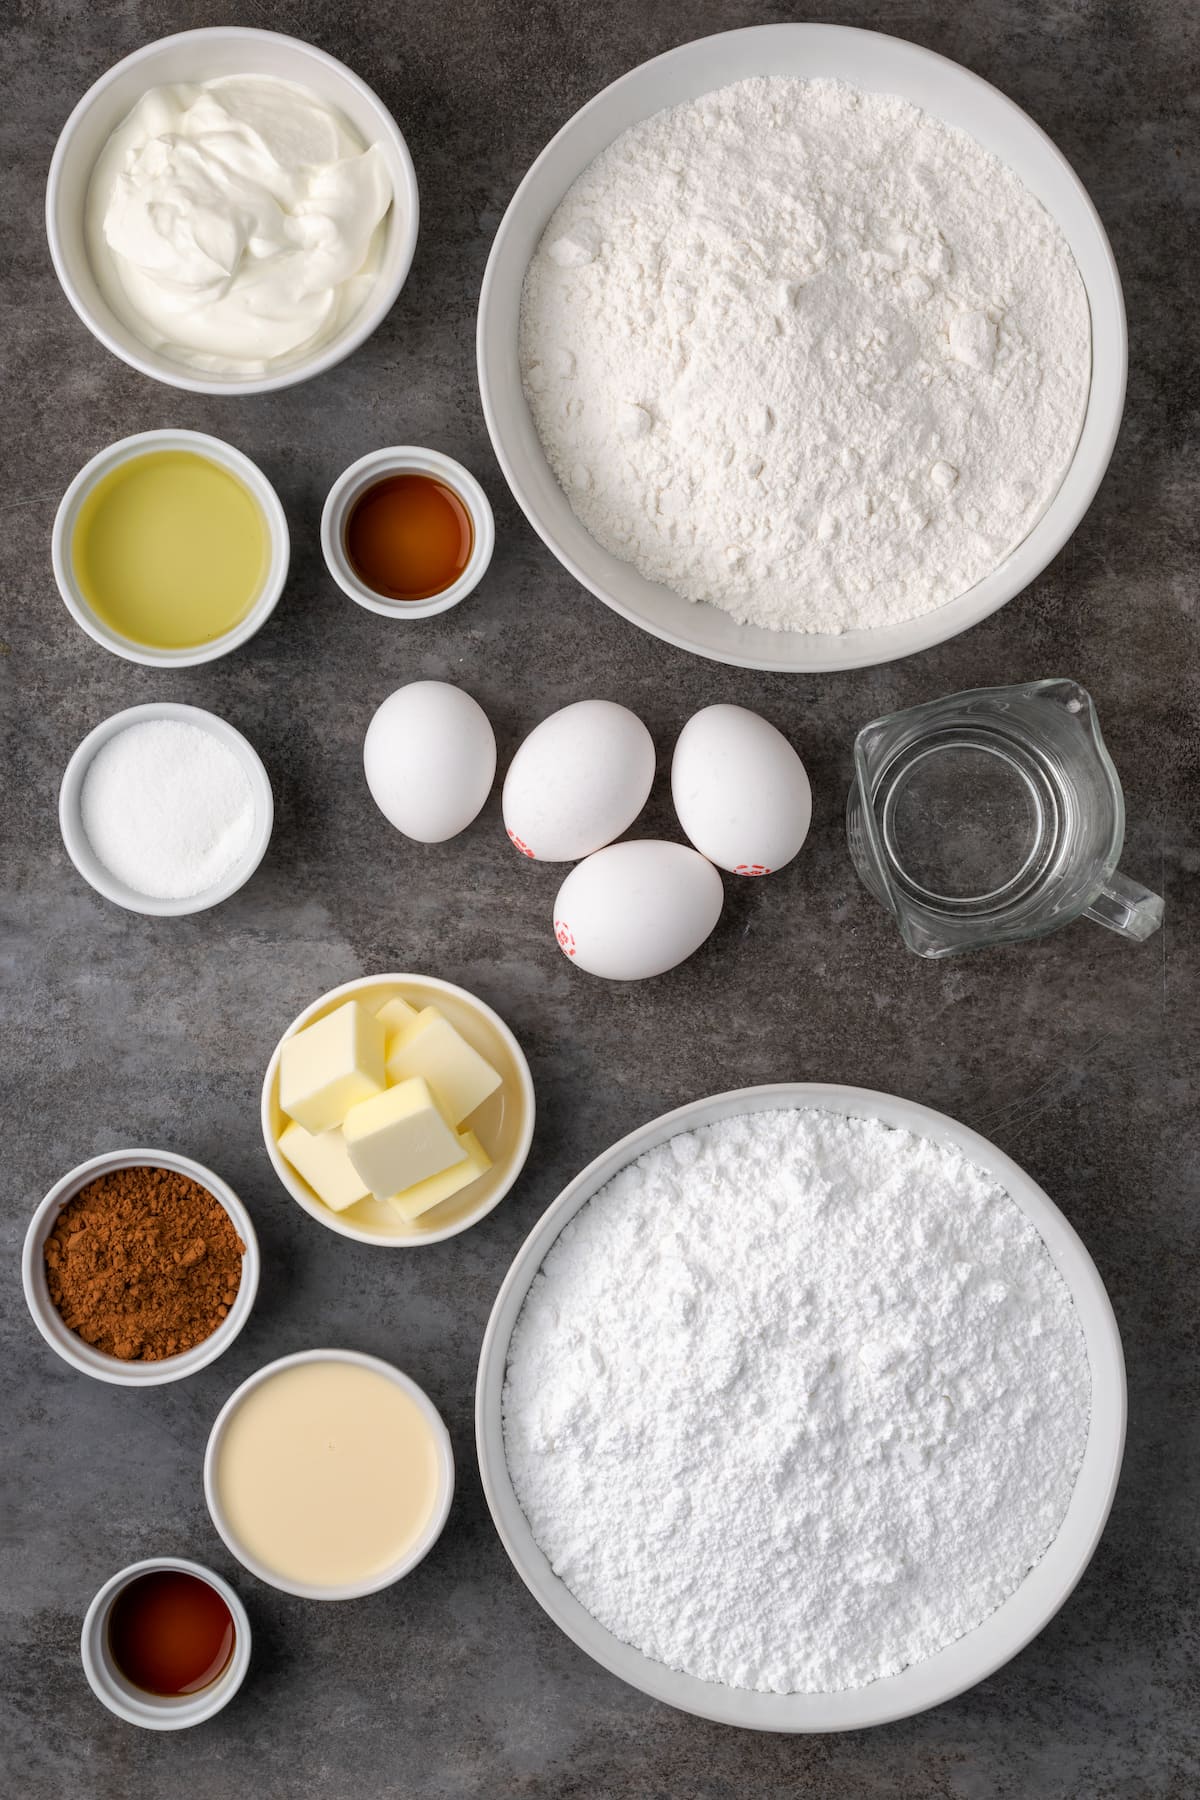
column 165, row 809
column 140, row 1267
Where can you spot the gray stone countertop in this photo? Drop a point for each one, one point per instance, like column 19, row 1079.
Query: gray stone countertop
column 1076, row 1054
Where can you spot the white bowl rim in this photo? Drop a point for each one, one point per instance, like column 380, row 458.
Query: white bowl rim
column 960, row 1665
column 164, row 1712
column 402, row 459
column 805, row 652
column 75, row 838
column 227, row 456
column 426, row 1539
column 334, row 1221
column 369, row 316
column 66, row 1343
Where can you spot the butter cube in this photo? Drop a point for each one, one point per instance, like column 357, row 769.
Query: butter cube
column 399, row 1138
column 324, row 1162
column 460, row 1078
column 418, row 1199
column 394, row 1015
column 329, row 1067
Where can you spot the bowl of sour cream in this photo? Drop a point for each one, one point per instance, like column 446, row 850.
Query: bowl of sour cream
column 231, row 210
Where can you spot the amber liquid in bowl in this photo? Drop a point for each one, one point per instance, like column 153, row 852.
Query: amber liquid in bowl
column 170, row 1633
column 409, row 536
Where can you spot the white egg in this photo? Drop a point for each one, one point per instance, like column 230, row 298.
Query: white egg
column 637, row 909
column 430, row 759
column 740, row 790
column 578, row 781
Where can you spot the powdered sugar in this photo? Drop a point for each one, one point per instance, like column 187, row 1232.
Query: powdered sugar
column 795, row 1401
column 806, row 353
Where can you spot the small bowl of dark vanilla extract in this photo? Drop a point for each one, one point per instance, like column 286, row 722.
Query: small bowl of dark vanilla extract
column 407, row 532
column 165, row 1644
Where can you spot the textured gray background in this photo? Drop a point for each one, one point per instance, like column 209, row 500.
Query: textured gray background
column 1072, row 1054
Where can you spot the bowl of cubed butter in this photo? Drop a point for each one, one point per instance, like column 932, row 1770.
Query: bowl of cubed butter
column 398, row 1110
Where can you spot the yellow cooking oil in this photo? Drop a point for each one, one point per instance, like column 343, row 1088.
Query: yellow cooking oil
column 170, row 549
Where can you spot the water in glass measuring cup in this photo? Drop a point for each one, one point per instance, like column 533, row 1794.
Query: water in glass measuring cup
column 993, row 816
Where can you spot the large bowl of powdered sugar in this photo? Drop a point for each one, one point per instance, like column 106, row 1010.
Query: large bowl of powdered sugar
column 802, row 1408
column 802, row 347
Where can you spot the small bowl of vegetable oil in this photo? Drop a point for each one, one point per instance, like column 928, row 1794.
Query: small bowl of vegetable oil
column 170, row 548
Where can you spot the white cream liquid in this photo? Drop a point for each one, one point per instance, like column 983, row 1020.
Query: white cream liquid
column 327, row 1473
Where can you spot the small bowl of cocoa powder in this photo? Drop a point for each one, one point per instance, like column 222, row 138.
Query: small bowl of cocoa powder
column 140, row 1267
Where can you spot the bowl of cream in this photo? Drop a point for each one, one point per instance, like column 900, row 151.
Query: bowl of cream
column 329, row 1474
column 231, row 210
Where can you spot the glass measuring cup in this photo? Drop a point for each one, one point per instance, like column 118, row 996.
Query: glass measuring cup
column 993, row 816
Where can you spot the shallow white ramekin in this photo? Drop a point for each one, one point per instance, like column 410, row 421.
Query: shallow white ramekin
column 416, row 1551
column 78, row 845
column 191, row 56
column 160, row 1712
column 67, row 1343
column 405, row 459
column 218, row 451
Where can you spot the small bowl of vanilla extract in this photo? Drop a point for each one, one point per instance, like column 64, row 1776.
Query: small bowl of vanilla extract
column 165, row 1644
column 407, row 532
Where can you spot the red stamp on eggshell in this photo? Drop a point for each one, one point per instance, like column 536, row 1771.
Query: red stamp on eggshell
column 565, row 936
column 522, row 846
column 752, row 869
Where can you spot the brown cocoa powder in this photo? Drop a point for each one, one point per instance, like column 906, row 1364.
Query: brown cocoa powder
column 143, row 1263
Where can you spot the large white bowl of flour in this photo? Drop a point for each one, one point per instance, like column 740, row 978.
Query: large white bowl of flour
column 670, row 486
column 939, row 1317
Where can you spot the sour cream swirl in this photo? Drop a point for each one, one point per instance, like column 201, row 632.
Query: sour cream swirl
column 234, row 224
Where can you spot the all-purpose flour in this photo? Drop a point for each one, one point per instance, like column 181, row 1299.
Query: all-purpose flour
column 795, row 1401
column 806, row 353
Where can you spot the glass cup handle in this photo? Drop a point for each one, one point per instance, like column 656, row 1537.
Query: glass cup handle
column 1125, row 907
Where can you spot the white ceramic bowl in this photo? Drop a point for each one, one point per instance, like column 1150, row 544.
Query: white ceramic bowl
column 961, row 1664
column 200, row 56
column 405, row 459
column 504, row 1123
column 160, row 1712
column 79, row 847
column 216, row 450
column 416, row 1552
column 67, row 1343
column 879, row 64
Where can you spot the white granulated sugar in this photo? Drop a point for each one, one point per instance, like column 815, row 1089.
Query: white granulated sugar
column 806, row 353
column 167, row 808
column 795, row 1401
